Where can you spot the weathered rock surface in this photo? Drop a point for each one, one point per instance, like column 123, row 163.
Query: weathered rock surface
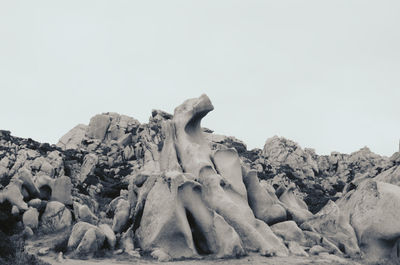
column 30, row 218
column 73, row 139
column 176, row 190
column 333, row 224
column 55, row 217
column 372, row 210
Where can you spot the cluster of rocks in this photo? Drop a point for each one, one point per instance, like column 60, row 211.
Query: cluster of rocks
column 318, row 178
column 175, row 190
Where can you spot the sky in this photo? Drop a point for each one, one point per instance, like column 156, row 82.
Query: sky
column 325, row 74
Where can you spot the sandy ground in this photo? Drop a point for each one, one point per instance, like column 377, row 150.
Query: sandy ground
column 251, row 259
column 32, row 246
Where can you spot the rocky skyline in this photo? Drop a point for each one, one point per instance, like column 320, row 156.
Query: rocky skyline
column 120, row 187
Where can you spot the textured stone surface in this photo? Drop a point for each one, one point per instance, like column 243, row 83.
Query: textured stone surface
column 30, row 218
column 372, row 210
column 55, row 217
column 179, row 190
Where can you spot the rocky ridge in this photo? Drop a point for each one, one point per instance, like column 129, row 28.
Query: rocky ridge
column 106, row 180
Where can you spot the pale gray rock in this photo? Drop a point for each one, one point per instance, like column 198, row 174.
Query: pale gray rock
column 210, row 192
column 109, row 234
column 83, row 213
column 284, row 152
column 30, row 218
column 265, row 206
column 89, row 164
column 28, row 232
column 316, row 250
column 98, row 126
column 391, row 175
column 91, row 241
column 43, row 251
column 55, row 217
column 78, row 231
column 36, row 203
column 127, row 241
column 288, row 231
column 295, row 206
column 296, row 249
column 61, row 190
column 60, row 257
column 333, row 224
column 73, row 138
column 372, row 210
column 121, row 216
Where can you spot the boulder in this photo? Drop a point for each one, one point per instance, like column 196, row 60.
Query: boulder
column 85, row 239
column 288, row 231
column 333, row 224
column 391, row 175
column 109, row 234
column 77, row 233
column 98, row 126
column 89, row 164
column 12, row 194
column 28, row 232
column 127, row 241
column 296, row 208
column 316, row 250
column 265, row 207
column 55, row 217
column 83, row 213
column 61, row 190
column 121, row 216
column 26, row 177
column 372, row 210
column 30, row 218
column 283, row 152
column 296, row 249
column 43, row 251
column 91, row 241
column 73, row 138
column 36, row 203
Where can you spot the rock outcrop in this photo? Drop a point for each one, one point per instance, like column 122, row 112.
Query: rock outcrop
column 171, row 189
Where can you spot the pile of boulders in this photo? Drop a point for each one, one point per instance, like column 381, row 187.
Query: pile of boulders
column 175, row 190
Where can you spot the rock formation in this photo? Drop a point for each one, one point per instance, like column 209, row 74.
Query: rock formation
column 172, row 189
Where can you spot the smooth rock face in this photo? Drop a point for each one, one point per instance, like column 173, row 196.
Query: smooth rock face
column 30, row 218
column 121, row 215
column 61, row 190
column 55, row 217
column 333, row 224
column 78, row 231
column 296, row 207
column 109, row 234
column 392, row 176
column 73, row 139
column 288, row 231
column 83, row 213
column 296, row 249
column 192, row 209
column 89, row 164
column 92, row 240
column 264, row 206
column 98, row 126
column 372, row 209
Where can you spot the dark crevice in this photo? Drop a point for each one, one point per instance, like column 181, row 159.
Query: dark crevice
column 200, row 241
column 45, row 192
column 137, row 219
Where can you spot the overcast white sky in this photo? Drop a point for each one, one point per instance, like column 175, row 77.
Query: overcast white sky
column 325, row 74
